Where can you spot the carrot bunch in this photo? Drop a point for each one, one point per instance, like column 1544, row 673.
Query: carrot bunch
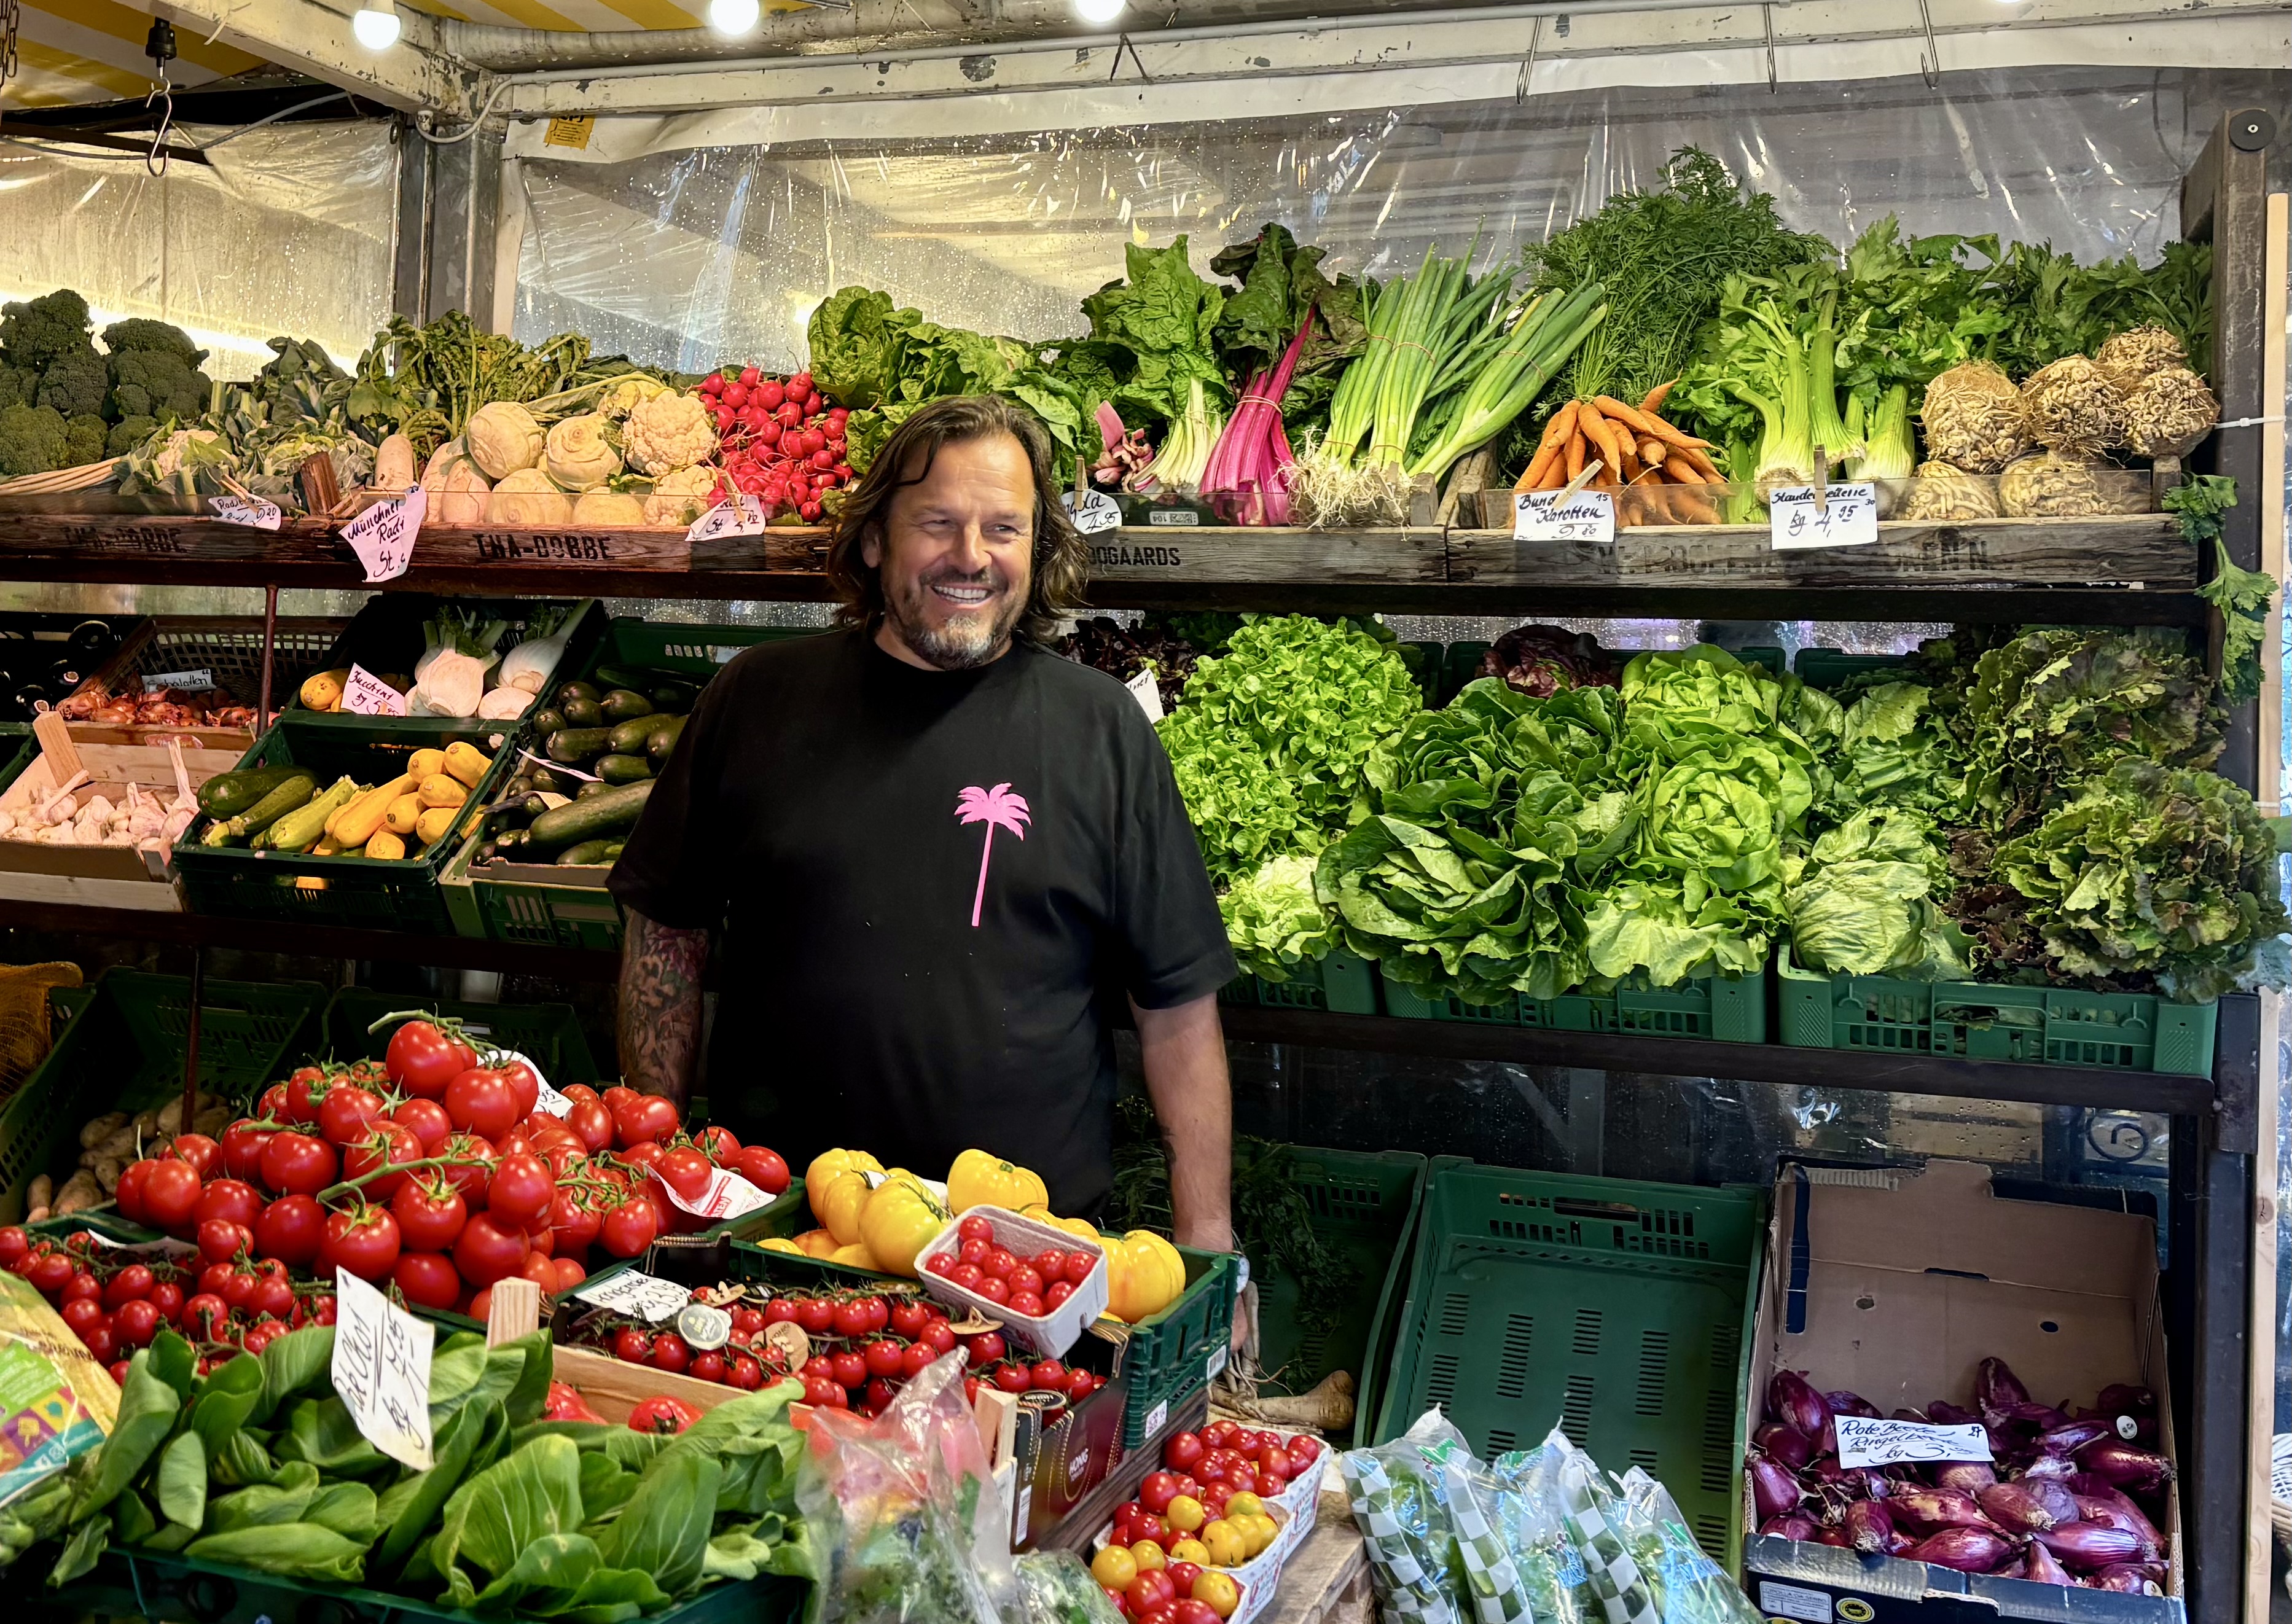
column 1633, row 446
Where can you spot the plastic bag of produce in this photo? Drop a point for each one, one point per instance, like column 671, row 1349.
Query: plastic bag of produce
column 1524, row 1513
column 1399, row 1497
column 58, row 1407
column 1689, row 1586
column 1055, row 1588
column 1592, row 1511
column 903, row 1512
column 1493, row 1586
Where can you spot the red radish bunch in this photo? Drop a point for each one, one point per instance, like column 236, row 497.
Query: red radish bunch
column 778, row 439
column 434, row 1172
column 115, row 1301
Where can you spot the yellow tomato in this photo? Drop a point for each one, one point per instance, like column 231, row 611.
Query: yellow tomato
column 856, row 1257
column 1081, row 1227
column 840, row 1203
column 900, row 1220
column 1186, row 1514
column 1190, row 1550
column 1115, row 1568
column 1225, row 1544
column 1244, row 1505
column 816, row 1242
column 1144, row 1275
column 978, row 1179
column 1258, row 1533
column 778, row 1244
column 1218, row 1593
column 823, row 1171
column 1150, row 1557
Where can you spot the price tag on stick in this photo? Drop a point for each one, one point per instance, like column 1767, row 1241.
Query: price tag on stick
column 382, row 1370
column 1867, row 1441
column 382, row 536
column 1147, row 693
column 1846, row 516
column 1094, row 512
column 244, row 511
column 368, row 695
column 639, row 1295
column 738, row 515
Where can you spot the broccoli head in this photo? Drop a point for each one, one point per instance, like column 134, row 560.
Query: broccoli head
column 31, row 440
column 83, row 441
column 156, row 383
column 139, row 333
column 35, row 332
column 18, row 387
column 128, row 433
column 74, row 383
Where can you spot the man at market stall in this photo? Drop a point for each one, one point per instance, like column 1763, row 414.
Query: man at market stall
column 936, row 859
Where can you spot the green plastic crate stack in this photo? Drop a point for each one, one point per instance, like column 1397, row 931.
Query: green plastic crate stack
column 1623, row 1308
column 1728, row 1009
column 1340, row 982
column 1170, row 1356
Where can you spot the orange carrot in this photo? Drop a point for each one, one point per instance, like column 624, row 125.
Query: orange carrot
column 1549, row 449
column 1701, row 462
column 1576, row 454
column 1656, row 397
column 1596, row 429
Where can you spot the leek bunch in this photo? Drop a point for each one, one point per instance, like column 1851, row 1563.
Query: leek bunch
column 1511, row 371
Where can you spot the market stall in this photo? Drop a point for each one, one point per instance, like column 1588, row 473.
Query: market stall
column 1922, row 863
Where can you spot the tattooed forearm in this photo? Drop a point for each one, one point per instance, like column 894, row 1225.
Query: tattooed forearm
column 659, row 1025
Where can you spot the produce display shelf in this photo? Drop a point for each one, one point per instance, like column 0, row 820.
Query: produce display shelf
column 387, row 636
column 1364, row 1207
column 1622, row 1310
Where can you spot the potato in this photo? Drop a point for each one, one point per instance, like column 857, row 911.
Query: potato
column 108, row 1172
column 102, row 1129
column 79, row 1193
column 42, row 1193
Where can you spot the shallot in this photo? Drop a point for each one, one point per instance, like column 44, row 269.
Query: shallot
column 1774, row 1491
column 1794, row 1400
column 2125, row 1579
column 2087, row 1546
column 2124, row 1467
column 1996, row 1388
column 2110, row 1510
column 1792, row 1527
column 1938, row 1508
column 1869, row 1528
column 2040, row 1565
column 1966, row 1476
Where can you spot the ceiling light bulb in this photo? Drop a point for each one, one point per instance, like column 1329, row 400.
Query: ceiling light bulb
column 732, row 18
column 376, row 25
column 1098, row 12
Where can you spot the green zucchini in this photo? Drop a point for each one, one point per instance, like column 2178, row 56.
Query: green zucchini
column 294, row 792
column 624, row 705
column 661, row 742
column 572, row 746
column 583, row 712
column 623, row 769
column 629, row 738
column 590, row 818
column 229, row 794
column 598, row 788
column 587, row 854
column 548, row 721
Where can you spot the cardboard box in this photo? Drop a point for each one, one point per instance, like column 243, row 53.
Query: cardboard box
column 100, row 876
column 1895, row 1283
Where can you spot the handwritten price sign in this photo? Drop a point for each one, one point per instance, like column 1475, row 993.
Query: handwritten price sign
column 382, row 1370
column 1849, row 518
column 368, row 695
column 739, row 515
column 1094, row 512
column 240, row 510
column 382, row 536
column 1865, row 1442
column 639, row 1295
column 1587, row 516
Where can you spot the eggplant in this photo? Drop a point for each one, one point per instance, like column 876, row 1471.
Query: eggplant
column 2084, row 1547
column 1786, row 1443
column 1792, row 1400
column 1969, row 1550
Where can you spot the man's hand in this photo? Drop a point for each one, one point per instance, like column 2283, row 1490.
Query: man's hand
column 659, row 1010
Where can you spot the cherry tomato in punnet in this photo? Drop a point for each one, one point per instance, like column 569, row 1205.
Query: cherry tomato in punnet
column 985, row 1348
column 1025, row 1278
column 998, row 1262
column 219, row 1239
column 348, row 1111
column 521, row 1189
column 992, row 1289
column 293, row 1165
column 422, row 1060
column 976, row 1228
column 1027, row 1305
column 481, row 1101
column 429, row 1279
column 365, row 1241
column 202, row 1153
column 171, row 1193
column 967, row 1276
column 426, row 1119
column 941, row 1264
column 291, row 1229
column 430, row 1212
column 489, row 1249
column 975, row 1251
column 1056, row 1293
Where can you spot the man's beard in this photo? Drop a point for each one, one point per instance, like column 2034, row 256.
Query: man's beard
column 965, row 642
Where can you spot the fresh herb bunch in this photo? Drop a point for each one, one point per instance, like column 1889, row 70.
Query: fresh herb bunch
column 1272, row 1222
column 2243, row 596
column 2055, row 307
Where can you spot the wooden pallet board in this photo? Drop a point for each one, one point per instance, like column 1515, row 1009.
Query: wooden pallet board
column 1177, row 556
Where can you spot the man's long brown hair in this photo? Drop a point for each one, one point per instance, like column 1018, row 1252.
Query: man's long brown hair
column 1062, row 558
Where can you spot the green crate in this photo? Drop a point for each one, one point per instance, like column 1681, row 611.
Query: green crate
column 1364, row 1209
column 1728, row 1009
column 386, row 638
column 1622, row 1308
column 362, row 893
column 1462, row 665
column 1170, row 1356
column 123, row 1051
column 2035, row 1026
column 548, row 1034
column 1341, row 982
column 132, row 1583
column 1826, row 668
column 696, row 650
column 1430, row 667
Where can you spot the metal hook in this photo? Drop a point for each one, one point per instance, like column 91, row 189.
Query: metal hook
column 1122, row 43
column 160, row 45
column 1768, row 12
column 1527, row 68
column 1930, row 63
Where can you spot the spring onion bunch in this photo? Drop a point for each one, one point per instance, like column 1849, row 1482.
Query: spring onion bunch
column 1508, row 374
column 1248, row 474
column 1426, row 334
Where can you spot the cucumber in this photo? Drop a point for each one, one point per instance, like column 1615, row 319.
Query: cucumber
column 229, row 794
column 546, row 722
column 629, row 738
column 588, row 790
column 587, row 854
column 592, row 817
column 661, row 742
column 581, row 713
column 546, row 783
column 624, row 705
column 675, row 695
column 568, row 691
column 573, row 746
column 511, row 844
column 623, row 769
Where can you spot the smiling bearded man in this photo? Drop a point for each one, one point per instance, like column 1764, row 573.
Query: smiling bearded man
column 937, row 857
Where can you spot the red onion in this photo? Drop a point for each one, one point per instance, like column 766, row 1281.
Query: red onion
column 2040, row 1567
column 1793, row 1527
column 1831, row 1536
column 2044, row 1418
column 1869, row 1527
column 1949, row 1415
column 1937, row 1507
column 2087, row 1546
column 1786, row 1444
column 1996, row 1388
column 2121, row 1399
column 2020, row 1508
column 1969, row 1550
column 1773, row 1490
column 1918, row 1417
column 1842, row 1402
column 2124, row 1466
column 2125, row 1579
column 1966, row 1476
column 1792, row 1400
column 2110, row 1510
column 2072, row 1436
column 2053, row 1469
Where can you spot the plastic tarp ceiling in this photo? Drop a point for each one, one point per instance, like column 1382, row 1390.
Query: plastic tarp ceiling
column 689, row 258
column 284, row 228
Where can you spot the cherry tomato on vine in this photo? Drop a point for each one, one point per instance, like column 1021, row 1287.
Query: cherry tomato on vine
column 670, row 1352
column 633, row 1345
column 219, row 1239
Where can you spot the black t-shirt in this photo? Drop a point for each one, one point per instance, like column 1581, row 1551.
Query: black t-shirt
column 933, row 887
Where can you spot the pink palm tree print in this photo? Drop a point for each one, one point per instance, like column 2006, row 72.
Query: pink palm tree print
column 997, row 808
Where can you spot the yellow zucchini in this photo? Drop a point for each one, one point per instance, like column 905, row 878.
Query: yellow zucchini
column 423, row 763
column 467, row 763
column 437, row 789
column 402, row 812
column 323, row 690
column 385, row 845
column 436, row 824
column 364, row 815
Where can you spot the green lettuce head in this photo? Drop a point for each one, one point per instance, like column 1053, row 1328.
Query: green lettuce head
column 1274, row 921
column 1862, row 900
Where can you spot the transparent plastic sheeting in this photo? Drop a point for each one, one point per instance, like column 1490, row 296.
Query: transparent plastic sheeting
column 690, row 258
column 284, row 229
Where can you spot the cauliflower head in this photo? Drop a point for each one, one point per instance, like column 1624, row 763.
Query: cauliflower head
column 669, row 432
column 502, row 437
column 680, row 497
column 627, row 394
column 609, row 508
column 577, row 455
